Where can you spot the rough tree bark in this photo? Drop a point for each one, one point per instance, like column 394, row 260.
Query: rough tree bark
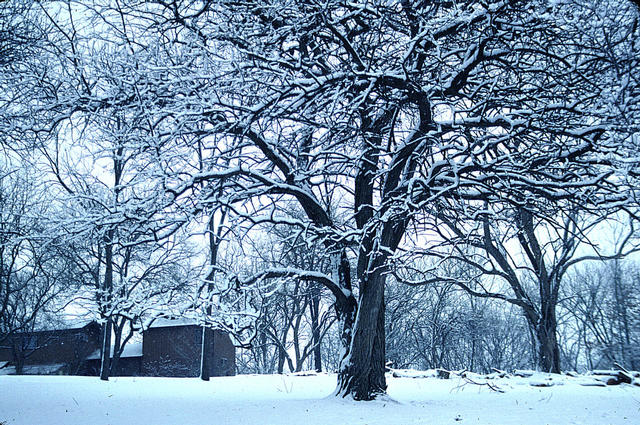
column 546, row 334
column 362, row 372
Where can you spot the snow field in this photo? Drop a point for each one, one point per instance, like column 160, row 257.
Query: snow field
column 307, row 400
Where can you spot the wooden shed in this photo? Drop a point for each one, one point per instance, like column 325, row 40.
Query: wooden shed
column 169, row 348
column 173, row 347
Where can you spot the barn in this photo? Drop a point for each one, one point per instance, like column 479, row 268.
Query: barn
column 170, row 348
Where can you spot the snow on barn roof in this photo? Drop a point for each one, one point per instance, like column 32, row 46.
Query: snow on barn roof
column 77, row 323
column 64, row 325
column 39, row 369
column 130, row 350
column 166, row 323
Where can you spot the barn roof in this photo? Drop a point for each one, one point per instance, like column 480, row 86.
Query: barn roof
column 130, row 350
column 166, row 323
column 66, row 325
column 36, row 369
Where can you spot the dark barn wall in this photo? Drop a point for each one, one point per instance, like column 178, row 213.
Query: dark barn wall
column 171, row 351
column 63, row 346
column 127, row 366
column 68, row 346
column 175, row 351
column 224, row 355
column 5, row 353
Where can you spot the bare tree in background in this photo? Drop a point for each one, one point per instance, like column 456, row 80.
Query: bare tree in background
column 532, row 256
column 296, row 313
column 34, row 266
column 602, row 301
column 441, row 326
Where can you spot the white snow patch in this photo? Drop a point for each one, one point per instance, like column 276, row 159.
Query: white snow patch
column 130, row 350
column 41, row 369
column 286, row 399
column 166, row 323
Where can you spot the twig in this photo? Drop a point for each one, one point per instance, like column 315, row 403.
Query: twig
column 468, row 380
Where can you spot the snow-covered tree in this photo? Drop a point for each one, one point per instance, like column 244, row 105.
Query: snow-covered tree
column 376, row 117
column 96, row 141
column 34, row 266
column 399, row 111
column 441, row 326
column 295, row 316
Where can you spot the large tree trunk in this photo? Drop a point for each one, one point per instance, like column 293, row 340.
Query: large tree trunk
column 546, row 335
column 346, row 309
column 362, row 370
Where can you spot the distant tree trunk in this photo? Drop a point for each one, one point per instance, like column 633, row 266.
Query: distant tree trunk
column 474, row 335
column 297, row 318
column 621, row 317
column 281, row 359
column 205, row 354
column 106, row 299
column 266, row 365
column 18, row 355
column 315, row 325
column 472, row 365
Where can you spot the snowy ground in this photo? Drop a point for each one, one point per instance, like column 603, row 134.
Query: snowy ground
column 306, row 400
